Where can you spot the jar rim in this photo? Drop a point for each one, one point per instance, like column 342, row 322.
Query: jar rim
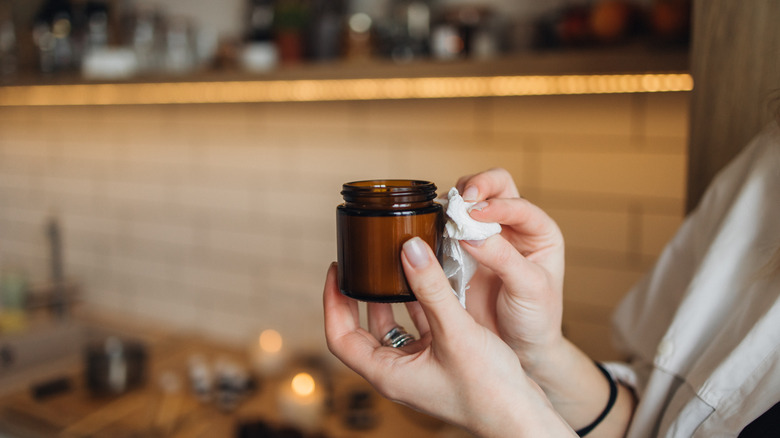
column 389, row 185
column 394, row 188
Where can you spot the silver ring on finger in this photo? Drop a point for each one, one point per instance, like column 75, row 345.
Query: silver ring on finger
column 397, row 337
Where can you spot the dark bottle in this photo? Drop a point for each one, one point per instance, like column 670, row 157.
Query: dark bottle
column 373, row 223
column 261, row 19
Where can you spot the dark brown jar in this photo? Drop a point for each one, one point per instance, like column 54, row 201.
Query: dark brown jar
column 373, row 223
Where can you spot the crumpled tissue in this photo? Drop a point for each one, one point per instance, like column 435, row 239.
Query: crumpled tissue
column 459, row 266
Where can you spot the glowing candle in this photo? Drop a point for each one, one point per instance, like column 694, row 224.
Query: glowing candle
column 302, row 402
column 268, row 357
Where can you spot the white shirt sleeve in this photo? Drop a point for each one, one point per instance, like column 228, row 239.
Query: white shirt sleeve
column 703, row 326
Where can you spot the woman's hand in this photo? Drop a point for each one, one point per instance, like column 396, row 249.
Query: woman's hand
column 458, row 370
column 517, row 289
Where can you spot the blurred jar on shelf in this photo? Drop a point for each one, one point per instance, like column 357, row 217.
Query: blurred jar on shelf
column 291, row 17
column 324, row 34
column 359, row 40
column 8, row 45
column 405, row 31
column 258, row 53
column 467, row 32
column 180, row 50
column 64, row 31
column 144, row 31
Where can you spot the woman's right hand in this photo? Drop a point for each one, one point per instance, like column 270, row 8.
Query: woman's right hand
column 517, row 289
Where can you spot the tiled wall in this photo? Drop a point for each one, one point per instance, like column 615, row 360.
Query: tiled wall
column 221, row 218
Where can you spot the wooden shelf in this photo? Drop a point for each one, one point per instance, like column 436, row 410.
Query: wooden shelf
column 629, row 70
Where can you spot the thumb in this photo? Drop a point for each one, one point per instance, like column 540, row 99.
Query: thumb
column 431, row 288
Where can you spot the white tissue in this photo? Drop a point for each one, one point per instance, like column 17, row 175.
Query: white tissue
column 459, row 266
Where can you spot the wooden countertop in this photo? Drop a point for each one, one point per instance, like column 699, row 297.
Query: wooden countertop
column 149, row 412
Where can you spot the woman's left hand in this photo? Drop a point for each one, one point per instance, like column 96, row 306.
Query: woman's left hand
column 458, row 370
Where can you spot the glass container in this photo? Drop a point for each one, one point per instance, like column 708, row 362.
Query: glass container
column 373, row 223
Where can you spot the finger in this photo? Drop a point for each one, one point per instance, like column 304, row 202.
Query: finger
column 417, row 315
column 462, row 181
column 520, row 213
column 341, row 313
column 481, row 302
column 522, row 278
column 380, row 319
column 442, row 309
column 493, row 183
column 344, row 336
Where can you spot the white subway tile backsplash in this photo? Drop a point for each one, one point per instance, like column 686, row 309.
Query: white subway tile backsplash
column 14, row 181
column 29, row 256
column 583, row 333
column 248, row 157
column 227, row 326
column 657, row 231
column 361, row 158
column 665, row 144
column 24, row 213
column 446, row 115
column 219, row 199
column 174, row 233
column 218, row 283
column 576, row 115
column 113, row 300
column 143, row 270
column 86, row 224
column 598, row 285
column 178, row 314
column 115, row 192
column 308, row 115
column 134, row 118
column 83, row 188
column 265, row 245
column 666, row 114
column 594, row 229
column 445, row 164
column 316, row 253
column 21, row 231
column 567, row 142
column 633, row 174
column 221, row 218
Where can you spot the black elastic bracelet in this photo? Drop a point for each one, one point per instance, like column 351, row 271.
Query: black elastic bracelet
column 611, row 402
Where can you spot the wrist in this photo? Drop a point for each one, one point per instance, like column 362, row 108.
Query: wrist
column 528, row 413
column 613, row 393
column 578, row 389
column 544, row 363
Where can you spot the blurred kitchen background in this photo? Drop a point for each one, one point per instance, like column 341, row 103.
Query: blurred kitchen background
column 217, row 220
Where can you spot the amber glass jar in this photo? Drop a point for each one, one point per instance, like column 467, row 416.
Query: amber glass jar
column 373, row 223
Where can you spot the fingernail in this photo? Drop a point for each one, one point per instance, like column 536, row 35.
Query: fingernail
column 471, row 193
column 478, row 206
column 416, row 253
column 474, row 242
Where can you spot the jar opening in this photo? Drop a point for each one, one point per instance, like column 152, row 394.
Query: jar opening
column 421, row 190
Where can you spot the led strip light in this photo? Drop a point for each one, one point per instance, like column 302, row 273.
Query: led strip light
column 339, row 89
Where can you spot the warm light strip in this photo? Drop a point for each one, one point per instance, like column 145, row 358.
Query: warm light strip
column 339, row 89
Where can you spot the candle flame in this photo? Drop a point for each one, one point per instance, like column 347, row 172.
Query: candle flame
column 270, row 341
column 303, row 384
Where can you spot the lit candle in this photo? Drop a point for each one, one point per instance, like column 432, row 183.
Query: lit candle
column 302, row 402
column 267, row 355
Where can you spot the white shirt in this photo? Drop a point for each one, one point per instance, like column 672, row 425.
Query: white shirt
column 703, row 327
